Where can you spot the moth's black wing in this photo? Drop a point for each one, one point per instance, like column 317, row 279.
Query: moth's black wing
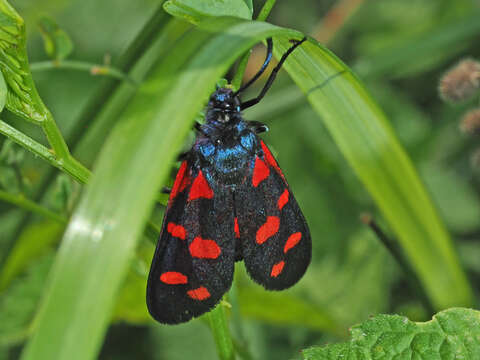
column 276, row 243
column 193, row 263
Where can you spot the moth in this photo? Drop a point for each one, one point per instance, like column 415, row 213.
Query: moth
column 230, row 201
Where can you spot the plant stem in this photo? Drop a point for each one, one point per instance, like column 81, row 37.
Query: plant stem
column 221, row 333
column 242, row 65
column 93, row 69
column 67, row 164
column 21, row 201
column 55, row 137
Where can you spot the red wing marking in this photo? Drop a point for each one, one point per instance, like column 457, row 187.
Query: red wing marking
column 268, row 229
column 292, row 241
column 204, row 249
column 283, row 199
column 200, row 293
column 177, row 230
column 181, row 181
column 173, row 278
column 270, row 159
column 260, row 172
column 237, row 230
column 277, row 269
column 200, row 188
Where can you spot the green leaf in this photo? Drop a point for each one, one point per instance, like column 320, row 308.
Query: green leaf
column 22, row 97
column 58, row 44
column 451, row 334
column 366, row 139
column 197, row 11
column 97, row 247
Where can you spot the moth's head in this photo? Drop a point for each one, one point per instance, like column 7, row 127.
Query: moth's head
column 223, row 103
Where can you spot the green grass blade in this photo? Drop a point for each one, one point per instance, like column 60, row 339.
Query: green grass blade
column 367, row 141
column 102, row 235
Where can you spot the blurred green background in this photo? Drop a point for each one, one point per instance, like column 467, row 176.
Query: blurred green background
column 399, row 49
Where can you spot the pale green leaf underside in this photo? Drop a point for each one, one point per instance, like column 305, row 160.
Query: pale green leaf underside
column 451, row 334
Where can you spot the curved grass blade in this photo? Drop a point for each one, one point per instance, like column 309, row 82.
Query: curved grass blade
column 369, row 144
column 102, row 235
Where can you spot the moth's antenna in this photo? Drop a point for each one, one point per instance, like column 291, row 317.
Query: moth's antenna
column 262, row 69
column 272, row 76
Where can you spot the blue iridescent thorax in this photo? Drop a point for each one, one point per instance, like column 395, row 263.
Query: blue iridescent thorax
column 226, row 145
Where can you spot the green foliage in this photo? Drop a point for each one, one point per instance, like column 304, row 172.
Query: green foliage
column 58, row 44
column 133, row 126
column 451, row 334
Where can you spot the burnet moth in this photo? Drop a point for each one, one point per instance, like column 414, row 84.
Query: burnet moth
column 230, row 201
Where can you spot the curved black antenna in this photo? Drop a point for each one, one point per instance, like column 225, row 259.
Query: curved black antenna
column 262, row 69
column 272, row 76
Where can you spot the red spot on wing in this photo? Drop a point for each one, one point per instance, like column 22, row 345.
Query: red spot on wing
column 237, row 230
column 292, row 241
column 200, row 293
column 181, row 182
column 260, row 172
column 177, row 230
column 283, row 199
column 200, row 188
column 204, row 249
column 268, row 229
column 270, row 159
column 277, row 269
column 173, row 278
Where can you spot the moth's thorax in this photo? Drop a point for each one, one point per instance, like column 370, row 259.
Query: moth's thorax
column 226, row 152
